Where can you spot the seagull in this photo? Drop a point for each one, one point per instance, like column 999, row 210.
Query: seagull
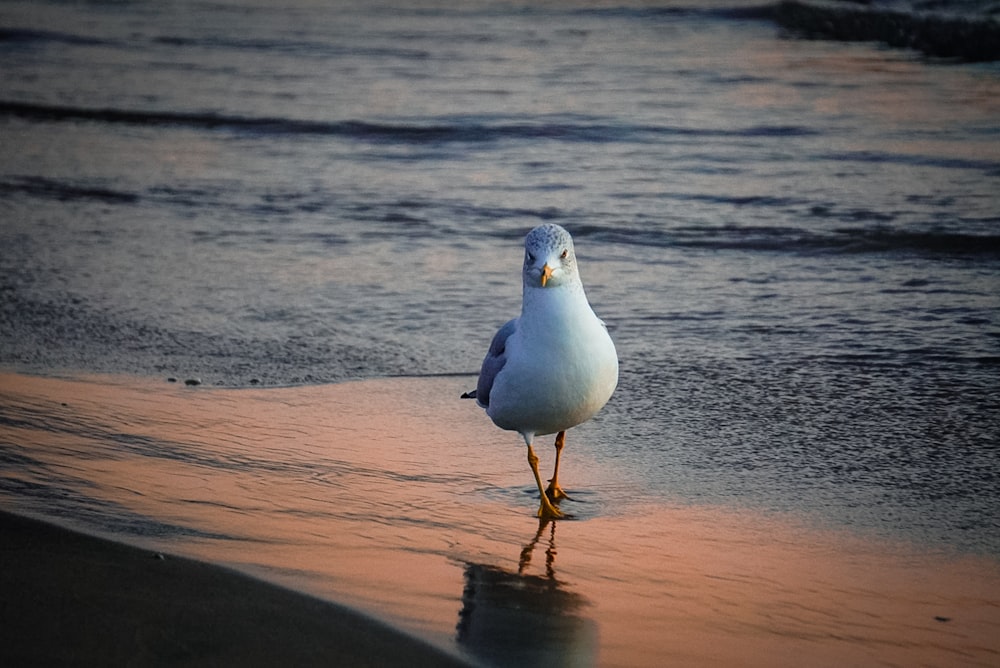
column 555, row 366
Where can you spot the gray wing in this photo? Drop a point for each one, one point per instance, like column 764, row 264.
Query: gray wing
column 496, row 357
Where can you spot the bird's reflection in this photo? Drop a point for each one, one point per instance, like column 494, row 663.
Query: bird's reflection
column 519, row 619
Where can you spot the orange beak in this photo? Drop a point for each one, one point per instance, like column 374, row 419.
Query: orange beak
column 546, row 274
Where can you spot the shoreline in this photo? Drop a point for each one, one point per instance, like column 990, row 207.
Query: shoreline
column 74, row 598
column 368, row 494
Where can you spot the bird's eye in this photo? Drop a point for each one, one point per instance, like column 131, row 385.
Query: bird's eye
column 531, row 258
column 564, row 255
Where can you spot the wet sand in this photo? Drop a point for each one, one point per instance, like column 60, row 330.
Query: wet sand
column 73, row 599
column 395, row 498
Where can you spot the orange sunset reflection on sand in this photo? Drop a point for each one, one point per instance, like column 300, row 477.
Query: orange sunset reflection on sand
column 397, row 498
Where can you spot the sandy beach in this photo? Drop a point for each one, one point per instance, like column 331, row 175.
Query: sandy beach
column 396, row 499
column 73, row 599
column 253, row 253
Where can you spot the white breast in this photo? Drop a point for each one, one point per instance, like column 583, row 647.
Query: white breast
column 561, row 367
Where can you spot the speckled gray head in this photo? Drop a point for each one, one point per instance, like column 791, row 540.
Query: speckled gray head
column 549, row 258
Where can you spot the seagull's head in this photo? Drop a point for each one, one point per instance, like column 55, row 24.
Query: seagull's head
column 549, row 259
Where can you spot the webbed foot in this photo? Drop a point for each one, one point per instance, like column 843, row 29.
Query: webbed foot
column 555, row 492
column 547, row 511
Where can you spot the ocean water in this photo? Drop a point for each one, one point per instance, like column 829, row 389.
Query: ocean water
column 795, row 243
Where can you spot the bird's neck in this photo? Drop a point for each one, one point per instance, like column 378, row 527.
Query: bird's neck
column 562, row 303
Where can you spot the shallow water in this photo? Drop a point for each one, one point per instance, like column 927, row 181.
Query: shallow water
column 794, row 242
column 354, row 492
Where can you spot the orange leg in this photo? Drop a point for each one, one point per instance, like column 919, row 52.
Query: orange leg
column 554, row 491
column 546, row 510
